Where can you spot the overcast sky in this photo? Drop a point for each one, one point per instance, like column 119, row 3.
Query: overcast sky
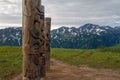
column 66, row 12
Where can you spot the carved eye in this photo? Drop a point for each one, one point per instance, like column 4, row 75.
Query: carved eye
column 35, row 21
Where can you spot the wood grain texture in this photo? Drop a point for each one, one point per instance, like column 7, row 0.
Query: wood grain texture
column 33, row 55
column 47, row 41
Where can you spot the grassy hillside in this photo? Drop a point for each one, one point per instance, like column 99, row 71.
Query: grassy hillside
column 10, row 62
column 99, row 58
column 11, row 59
column 115, row 48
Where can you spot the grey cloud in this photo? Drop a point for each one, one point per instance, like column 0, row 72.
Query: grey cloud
column 5, row 1
column 79, row 12
column 10, row 19
column 10, row 12
column 68, row 12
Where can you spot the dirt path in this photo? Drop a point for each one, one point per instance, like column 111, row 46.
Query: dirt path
column 63, row 71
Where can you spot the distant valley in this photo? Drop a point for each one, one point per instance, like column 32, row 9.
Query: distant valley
column 88, row 36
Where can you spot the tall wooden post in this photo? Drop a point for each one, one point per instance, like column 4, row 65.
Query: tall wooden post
column 42, row 39
column 47, row 41
column 33, row 56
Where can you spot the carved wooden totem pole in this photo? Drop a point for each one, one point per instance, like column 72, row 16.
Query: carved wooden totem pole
column 47, row 28
column 42, row 39
column 33, row 41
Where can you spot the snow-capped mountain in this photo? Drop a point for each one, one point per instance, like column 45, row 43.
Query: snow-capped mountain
column 86, row 36
column 86, row 29
column 11, row 36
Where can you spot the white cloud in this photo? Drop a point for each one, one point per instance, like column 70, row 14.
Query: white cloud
column 66, row 12
column 10, row 12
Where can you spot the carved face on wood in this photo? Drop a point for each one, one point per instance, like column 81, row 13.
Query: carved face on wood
column 32, row 24
column 33, row 40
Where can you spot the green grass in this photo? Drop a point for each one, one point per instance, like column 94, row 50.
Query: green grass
column 10, row 62
column 115, row 48
column 92, row 58
column 11, row 59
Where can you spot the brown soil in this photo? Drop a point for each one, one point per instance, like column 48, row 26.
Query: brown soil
column 63, row 71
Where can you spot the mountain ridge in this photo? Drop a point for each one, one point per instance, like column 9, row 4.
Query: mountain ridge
column 88, row 36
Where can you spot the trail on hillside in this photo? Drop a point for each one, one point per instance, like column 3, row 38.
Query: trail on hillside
column 63, row 71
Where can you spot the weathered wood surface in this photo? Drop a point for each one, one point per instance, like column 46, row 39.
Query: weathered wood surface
column 42, row 39
column 47, row 41
column 33, row 52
